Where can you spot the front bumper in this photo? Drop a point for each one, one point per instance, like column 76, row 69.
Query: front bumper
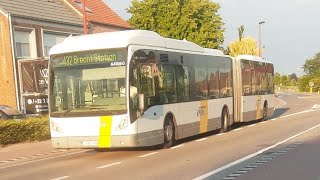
column 95, row 142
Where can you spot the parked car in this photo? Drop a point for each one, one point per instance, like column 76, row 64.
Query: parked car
column 7, row 112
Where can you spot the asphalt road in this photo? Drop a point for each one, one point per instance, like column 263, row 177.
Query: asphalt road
column 290, row 141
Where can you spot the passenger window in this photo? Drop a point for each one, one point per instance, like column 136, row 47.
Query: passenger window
column 201, row 84
column 182, row 73
column 167, row 84
column 146, row 80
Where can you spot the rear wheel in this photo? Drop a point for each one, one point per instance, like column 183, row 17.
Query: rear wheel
column 265, row 112
column 224, row 121
column 168, row 133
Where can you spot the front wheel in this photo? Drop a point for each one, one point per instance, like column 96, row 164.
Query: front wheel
column 169, row 134
column 224, row 121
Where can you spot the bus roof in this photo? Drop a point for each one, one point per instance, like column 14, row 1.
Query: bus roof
column 252, row 58
column 122, row 39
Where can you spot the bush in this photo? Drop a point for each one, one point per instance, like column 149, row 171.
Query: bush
column 26, row 130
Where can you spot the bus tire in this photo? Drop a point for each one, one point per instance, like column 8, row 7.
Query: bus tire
column 168, row 133
column 224, row 120
column 265, row 112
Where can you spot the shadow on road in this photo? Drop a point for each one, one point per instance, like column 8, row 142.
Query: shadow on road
column 278, row 112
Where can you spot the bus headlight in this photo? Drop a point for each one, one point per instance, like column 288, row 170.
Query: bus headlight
column 123, row 124
column 54, row 127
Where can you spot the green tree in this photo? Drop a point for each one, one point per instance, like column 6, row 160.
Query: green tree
column 293, row 82
column 303, row 83
column 277, row 79
column 241, row 32
column 285, row 80
column 247, row 46
column 312, row 66
column 293, row 76
column 194, row 20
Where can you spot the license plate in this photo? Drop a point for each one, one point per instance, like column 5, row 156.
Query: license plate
column 89, row 143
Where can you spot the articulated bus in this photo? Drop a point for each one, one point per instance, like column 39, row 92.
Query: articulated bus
column 135, row 89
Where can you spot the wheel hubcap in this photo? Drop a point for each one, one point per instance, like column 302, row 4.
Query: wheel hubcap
column 225, row 120
column 169, row 132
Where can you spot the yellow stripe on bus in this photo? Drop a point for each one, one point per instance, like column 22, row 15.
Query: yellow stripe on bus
column 259, row 108
column 204, row 116
column 105, row 131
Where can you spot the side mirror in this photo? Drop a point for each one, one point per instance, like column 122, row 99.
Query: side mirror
column 141, row 103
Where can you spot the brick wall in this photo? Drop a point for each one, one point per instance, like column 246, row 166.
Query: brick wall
column 7, row 84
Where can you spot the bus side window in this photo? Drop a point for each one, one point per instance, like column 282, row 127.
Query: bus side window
column 146, row 80
column 182, row 74
column 246, row 71
column 146, row 84
column 167, row 84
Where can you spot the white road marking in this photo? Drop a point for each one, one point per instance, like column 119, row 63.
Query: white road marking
column 59, row 178
column 175, row 147
column 252, row 125
column 221, row 134
column 284, row 103
column 13, row 159
column 229, row 178
column 38, row 160
column 263, row 122
column 295, row 113
column 4, row 161
column 203, row 139
column 109, row 165
column 252, row 155
column 237, row 129
column 146, row 155
column 306, row 98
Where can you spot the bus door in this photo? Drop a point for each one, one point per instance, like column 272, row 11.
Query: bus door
column 188, row 111
column 249, row 99
column 150, row 123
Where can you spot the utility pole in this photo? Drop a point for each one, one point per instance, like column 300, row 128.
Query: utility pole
column 85, row 22
column 260, row 44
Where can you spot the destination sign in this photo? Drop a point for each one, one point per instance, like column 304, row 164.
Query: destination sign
column 89, row 58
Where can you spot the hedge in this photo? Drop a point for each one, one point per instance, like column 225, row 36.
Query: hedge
column 25, row 130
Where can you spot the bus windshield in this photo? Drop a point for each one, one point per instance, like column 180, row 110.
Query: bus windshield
column 88, row 83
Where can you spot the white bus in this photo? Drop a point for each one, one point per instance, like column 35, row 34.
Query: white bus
column 135, row 88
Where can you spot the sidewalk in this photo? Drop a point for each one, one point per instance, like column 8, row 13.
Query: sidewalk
column 24, row 150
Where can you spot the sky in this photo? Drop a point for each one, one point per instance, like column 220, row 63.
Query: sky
column 290, row 35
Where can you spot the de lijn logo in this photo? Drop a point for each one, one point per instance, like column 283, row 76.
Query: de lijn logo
column 44, row 72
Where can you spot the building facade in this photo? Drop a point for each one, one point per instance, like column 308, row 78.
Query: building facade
column 28, row 29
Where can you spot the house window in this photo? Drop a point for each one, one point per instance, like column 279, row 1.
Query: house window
column 24, row 39
column 50, row 39
column 79, row 3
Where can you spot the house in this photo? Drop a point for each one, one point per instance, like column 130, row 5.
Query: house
column 101, row 18
column 28, row 29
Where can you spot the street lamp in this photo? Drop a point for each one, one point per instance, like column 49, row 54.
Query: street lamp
column 260, row 48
